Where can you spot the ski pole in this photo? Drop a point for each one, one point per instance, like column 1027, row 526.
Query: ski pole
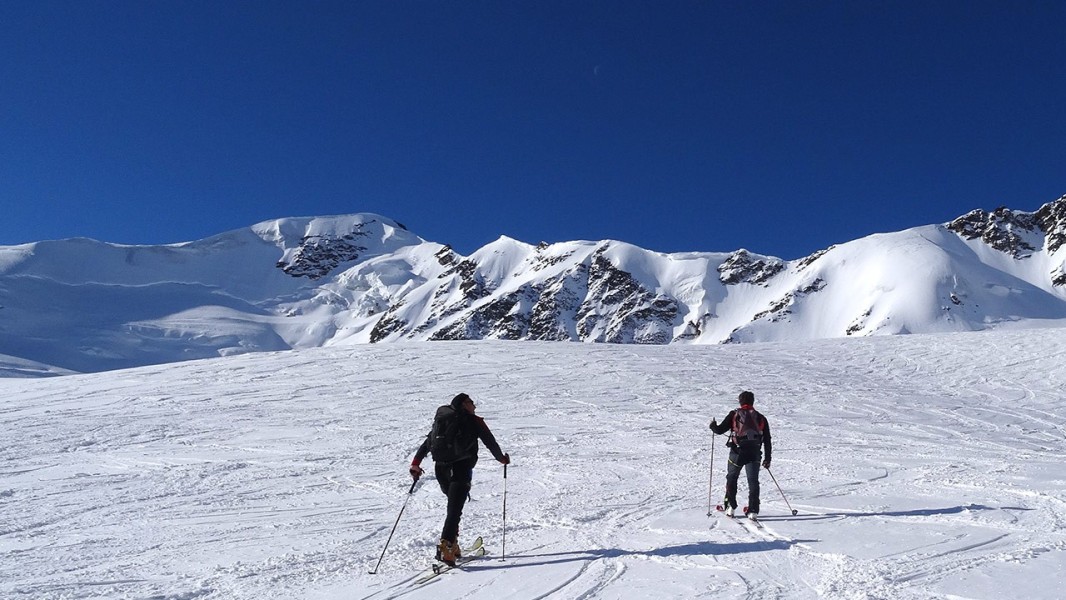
column 409, row 492
column 503, row 553
column 780, row 490
column 710, row 478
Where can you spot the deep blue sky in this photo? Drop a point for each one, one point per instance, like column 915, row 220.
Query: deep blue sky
column 780, row 127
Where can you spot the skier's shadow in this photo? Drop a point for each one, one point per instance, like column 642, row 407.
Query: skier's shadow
column 921, row 512
column 695, row 549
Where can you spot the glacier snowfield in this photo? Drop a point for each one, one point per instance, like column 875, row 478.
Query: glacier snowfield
column 921, row 466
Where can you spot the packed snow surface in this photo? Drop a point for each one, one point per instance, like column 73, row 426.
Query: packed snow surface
column 923, row 466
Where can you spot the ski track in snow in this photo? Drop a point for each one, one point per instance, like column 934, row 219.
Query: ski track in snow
column 920, row 466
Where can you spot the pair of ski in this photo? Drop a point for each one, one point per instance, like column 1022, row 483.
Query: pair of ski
column 475, row 551
column 747, row 516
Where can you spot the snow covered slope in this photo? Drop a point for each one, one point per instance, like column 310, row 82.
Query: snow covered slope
column 921, row 467
column 87, row 306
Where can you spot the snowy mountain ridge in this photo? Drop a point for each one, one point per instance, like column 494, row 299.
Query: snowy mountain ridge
column 84, row 305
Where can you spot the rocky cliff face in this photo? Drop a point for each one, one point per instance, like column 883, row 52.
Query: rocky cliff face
column 585, row 300
column 1002, row 229
column 742, row 267
column 317, row 256
column 1020, row 234
column 1008, row 231
column 1052, row 220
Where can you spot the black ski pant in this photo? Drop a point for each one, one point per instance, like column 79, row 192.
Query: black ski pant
column 454, row 479
column 749, row 462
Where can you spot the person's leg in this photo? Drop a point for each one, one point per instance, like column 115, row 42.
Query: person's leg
column 443, row 471
column 458, row 490
column 753, row 484
column 732, row 474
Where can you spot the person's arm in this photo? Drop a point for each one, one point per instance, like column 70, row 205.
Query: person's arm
column 724, row 426
column 767, row 444
column 423, row 450
column 489, row 440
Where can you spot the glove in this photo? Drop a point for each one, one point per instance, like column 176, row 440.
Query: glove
column 766, row 464
column 506, row 460
column 714, row 423
column 416, row 472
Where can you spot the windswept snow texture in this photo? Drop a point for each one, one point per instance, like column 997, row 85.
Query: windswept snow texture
column 925, row 466
column 86, row 306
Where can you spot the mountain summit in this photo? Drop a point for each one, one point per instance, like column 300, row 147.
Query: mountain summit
column 83, row 305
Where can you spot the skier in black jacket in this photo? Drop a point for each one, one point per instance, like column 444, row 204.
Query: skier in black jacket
column 749, row 436
column 453, row 441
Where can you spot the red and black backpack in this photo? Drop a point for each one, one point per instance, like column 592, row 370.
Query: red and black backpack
column 748, row 426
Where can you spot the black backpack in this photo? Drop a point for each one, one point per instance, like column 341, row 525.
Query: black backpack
column 447, row 437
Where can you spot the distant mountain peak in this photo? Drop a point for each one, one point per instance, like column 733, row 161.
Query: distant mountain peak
column 324, row 243
column 364, row 278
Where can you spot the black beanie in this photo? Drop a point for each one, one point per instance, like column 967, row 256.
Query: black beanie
column 457, row 402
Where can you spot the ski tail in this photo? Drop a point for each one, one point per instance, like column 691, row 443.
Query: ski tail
column 477, row 543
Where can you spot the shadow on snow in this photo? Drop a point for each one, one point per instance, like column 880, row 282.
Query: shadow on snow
column 920, row 512
column 694, row 549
